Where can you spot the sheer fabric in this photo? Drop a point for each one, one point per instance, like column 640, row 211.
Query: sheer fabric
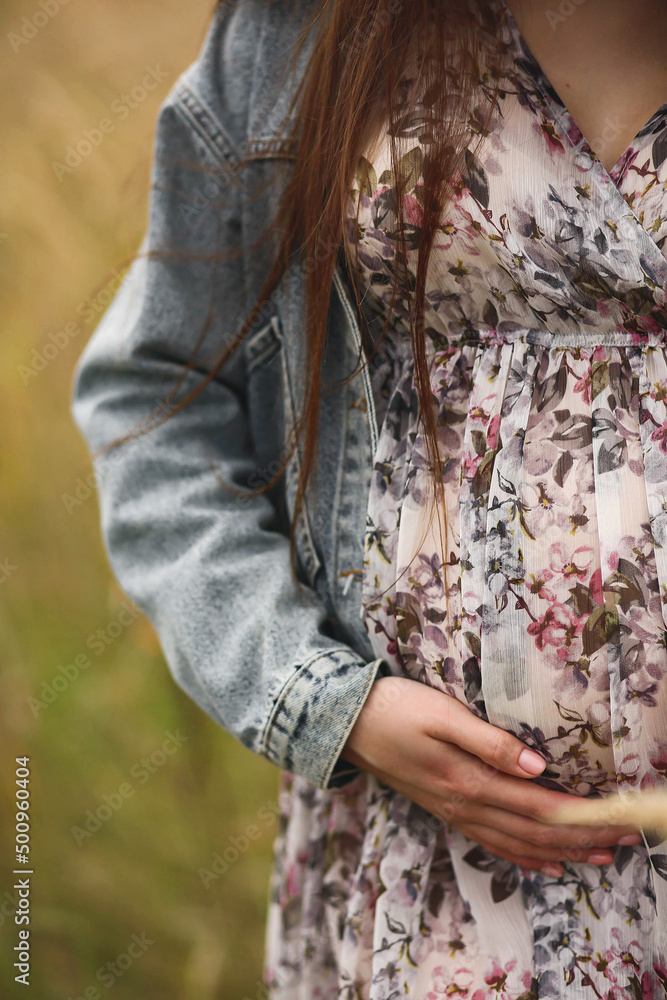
column 545, row 611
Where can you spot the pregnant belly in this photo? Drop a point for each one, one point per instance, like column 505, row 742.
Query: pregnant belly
column 538, row 600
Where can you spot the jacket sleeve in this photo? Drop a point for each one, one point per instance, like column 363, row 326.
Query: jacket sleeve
column 212, row 574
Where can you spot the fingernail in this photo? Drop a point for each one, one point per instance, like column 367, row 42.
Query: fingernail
column 555, row 870
column 600, row 858
column 531, row 761
column 630, row 838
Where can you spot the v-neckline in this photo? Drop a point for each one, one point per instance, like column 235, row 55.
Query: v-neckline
column 559, row 108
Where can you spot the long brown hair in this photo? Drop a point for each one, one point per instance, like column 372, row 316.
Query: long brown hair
column 354, row 84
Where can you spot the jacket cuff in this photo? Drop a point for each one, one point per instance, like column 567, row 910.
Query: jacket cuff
column 315, row 713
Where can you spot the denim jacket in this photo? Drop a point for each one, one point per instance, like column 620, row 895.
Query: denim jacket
column 285, row 667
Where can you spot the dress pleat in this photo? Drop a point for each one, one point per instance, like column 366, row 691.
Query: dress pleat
column 537, row 595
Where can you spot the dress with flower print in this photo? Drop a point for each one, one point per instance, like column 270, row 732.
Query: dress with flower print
column 545, row 610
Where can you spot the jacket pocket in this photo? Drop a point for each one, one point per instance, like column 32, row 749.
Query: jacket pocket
column 271, row 404
column 263, row 344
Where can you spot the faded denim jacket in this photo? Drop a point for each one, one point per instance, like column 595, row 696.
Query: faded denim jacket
column 284, row 668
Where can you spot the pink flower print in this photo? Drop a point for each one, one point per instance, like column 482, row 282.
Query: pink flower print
column 595, row 587
column 466, row 236
column 294, row 878
column 449, row 232
column 632, row 956
column 558, row 626
column 583, row 385
column 481, row 411
column 444, row 984
column 412, row 210
column 392, row 650
column 469, row 463
column 659, row 390
column 538, row 585
column 547, row 130
column 647, row 986
column 660, row 435
column 650, row 325
column 492, row 432
column 575, row 565
column 498, row 977
column 612, row 561
column 658, row 758
column 526, row 978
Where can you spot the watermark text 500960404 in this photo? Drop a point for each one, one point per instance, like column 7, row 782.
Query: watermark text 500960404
column 22, row 885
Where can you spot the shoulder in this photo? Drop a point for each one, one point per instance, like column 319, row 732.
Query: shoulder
column 243, row 79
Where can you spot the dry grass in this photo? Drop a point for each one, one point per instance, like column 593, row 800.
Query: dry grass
column 647, row 810
column 139, row 873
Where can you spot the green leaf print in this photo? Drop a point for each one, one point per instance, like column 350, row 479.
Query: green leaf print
column 479, row 442
column 410, row 168
column 599, row 377
column 601, row 628
column 582, row 601
column 366, row 177
column 625, row 585
column 481, row 483
column 409, row 171
column 473, row 643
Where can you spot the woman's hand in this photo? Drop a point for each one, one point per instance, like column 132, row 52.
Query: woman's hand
column 436, row 752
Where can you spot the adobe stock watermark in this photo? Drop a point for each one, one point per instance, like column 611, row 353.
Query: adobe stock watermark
column 89, row 310
column 262, row 991
column 32, row 25
column 142, row 771
column 238, row 845
column 613, row 128
column 7, row 569
column 97, row 642
column 120, row 110
column 380, row 22
column 84, row 487
column 109, row 973
column 565, row 9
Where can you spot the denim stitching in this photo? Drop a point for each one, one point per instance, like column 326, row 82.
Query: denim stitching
column 206, row 125
column 291, row 681
column 360, row 700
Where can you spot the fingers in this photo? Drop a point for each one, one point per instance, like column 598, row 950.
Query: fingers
column 523, row 861
column 530, row 800
column 570, row 841
column 525, row 849
column 454, row 723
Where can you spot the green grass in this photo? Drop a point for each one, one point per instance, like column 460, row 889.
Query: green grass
column 139, row 872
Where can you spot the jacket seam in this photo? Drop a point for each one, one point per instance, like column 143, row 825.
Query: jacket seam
column 208, row 127
column 370, row 402
column 214, row 134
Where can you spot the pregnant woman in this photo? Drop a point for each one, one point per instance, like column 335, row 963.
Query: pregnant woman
column 495, row 175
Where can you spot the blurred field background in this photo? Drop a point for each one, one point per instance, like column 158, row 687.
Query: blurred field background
column 60, row 239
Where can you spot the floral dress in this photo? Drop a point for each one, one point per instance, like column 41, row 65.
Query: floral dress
column 545, row 612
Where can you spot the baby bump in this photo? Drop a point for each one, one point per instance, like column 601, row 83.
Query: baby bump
column 544, row 609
